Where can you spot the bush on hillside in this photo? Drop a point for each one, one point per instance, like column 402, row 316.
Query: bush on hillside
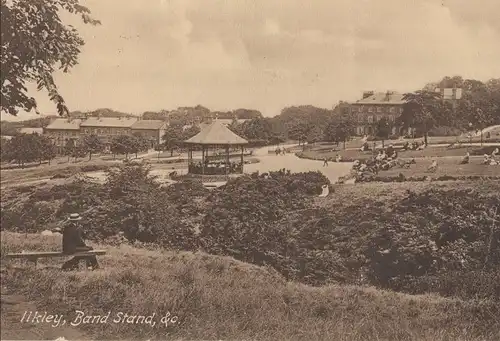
column 249, row 219
column 433, row 234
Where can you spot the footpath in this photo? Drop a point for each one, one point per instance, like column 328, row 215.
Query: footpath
column 13, row 308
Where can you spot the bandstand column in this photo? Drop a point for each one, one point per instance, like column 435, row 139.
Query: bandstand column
column 242, row 159
column 227, row 159
column 203, row 159
column 190, row 158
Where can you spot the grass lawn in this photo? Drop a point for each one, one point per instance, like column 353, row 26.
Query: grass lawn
column 357, row 143
column 446, row 166
column 46, row 171
column 320, row 152
column 389, row 193
column 220, row 298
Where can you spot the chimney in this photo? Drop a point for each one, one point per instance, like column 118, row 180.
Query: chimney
column 367, row 94
column 388, row 96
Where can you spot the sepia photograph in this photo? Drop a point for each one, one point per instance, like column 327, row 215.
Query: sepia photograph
column 318, row 170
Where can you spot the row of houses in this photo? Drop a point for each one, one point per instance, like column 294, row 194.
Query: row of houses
column 63, row 129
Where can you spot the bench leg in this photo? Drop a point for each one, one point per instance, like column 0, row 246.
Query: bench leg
column 34, row 260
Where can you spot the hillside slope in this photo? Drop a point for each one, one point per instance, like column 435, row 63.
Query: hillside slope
column 220, row 298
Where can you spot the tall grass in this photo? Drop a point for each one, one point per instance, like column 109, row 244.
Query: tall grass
column 220, row 298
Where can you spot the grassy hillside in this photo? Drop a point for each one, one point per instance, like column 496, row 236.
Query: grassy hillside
column 220, row 298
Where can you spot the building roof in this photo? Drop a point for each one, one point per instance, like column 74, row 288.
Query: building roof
column 448, row 93
column 64, row 124
column 31, row 130
column 148, row 124
column 216, row 133
column 112, row 122
column 382, row 98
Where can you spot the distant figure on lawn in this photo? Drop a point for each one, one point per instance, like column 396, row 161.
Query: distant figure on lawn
column 495, row 152
column 73, row 243
column 433, row 166
column 325, row 162
column 465, row 159
column 338, row 158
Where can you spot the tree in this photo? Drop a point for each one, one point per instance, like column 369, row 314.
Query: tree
column 190, row 132
column 140, row 144
column 92, row 144
column 124, row 144
column 23, row 148
column 479, row 106
column 299, row 121
column 247, row 114
column 3, row 148
column 34, row 43
column 315, row 134
column 298, row 130
column 68, row 148
column 339, row 129
column 276, row 139
column 383, row 129
column 256, row 129
column 172, row 138
column 78, row 151
column 47, row 149
column 420, row 111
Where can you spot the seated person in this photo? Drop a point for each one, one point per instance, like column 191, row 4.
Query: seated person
column 465, row 159
column 390, row 150
column 73, row 243
column 486, row 159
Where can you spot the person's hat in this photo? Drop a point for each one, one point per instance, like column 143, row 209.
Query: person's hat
column 74, row 217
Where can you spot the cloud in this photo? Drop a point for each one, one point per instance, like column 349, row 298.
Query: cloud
column 267, row 54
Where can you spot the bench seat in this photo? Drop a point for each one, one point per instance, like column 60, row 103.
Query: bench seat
column 33, row 256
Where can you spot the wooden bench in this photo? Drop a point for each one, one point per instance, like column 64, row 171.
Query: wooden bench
column 33, row 256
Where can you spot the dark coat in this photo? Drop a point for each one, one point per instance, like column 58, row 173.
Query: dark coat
column 72, row 238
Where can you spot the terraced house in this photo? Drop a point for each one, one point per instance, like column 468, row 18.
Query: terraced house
column 63, row 129
column 107, row 127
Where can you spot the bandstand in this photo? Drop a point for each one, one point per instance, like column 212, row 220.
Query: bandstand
column 218, row 145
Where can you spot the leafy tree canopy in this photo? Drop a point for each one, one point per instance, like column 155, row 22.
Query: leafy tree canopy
column 35, row 42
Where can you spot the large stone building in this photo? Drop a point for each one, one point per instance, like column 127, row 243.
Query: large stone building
column 377, row 105
column 63, row 129
column 373, row 107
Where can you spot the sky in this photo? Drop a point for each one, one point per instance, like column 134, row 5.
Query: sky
column 270, row 54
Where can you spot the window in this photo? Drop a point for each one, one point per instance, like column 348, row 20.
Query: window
column 379, row 109
column 370, row 109
column 391, row 118
column 370, row 119
column 391, row 109
column 401, row 110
